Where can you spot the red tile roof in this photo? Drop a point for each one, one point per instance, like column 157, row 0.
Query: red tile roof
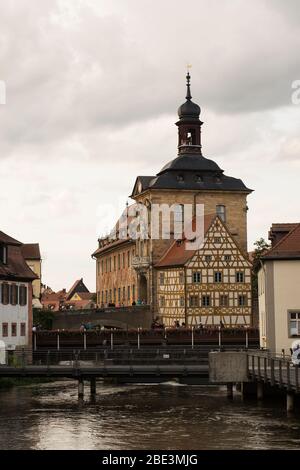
column 177, row 254
column 288, row 247
column 31, row 251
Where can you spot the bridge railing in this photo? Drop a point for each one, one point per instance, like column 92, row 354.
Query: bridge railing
column 272, row 368
column 76, row 357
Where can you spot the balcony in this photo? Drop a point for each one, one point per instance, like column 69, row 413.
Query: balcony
column 141, row 263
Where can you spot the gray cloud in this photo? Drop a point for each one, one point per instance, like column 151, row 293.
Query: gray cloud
column 92, row 93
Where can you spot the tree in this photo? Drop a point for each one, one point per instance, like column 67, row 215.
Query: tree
column 261, row 247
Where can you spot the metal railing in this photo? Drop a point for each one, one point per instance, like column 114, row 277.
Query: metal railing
column 272, row 368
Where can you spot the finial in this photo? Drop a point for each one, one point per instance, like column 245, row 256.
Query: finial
column 188, row 79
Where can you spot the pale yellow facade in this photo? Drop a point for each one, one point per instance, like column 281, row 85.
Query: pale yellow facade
column 36, row 267
column 279, row 304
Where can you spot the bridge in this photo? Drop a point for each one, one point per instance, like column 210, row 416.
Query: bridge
column 187, row 365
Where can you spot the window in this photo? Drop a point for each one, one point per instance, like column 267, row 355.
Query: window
column 4, row 330
column 119, row 294
column 115, row 295
column 128, row 292
column 123, row 260
column 102, row 263
column 205, row 300
column 3, row 254
column 181, row 301
column 242, row 300
column 102, row 297
column 239, row 276
column 128, row 258
column 162, row 301
column 161, row 279
column 221, row 212
column 207, row 258
column 124, row 293
column 294, row 323
column 14, row 329
column 110, row 296
column 181, row 277
column 223, row 300
column 178, row 213
column 218, row 276
column 227, row 258
column 194, row 301
column 5, row 293
column 133, row 292
column 106, row 297
column 196, row 277
column 119, row 261
column 23, row 295
column 14, row 294
column 23, row 329
column 115, row 263
column 217, row 239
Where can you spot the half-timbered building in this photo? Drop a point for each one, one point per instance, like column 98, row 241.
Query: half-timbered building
column 207, row 286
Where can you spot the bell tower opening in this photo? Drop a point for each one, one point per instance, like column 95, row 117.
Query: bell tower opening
column 189, row 124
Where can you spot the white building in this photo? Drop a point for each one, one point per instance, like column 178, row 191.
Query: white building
column 15, row 295
column 279, row 289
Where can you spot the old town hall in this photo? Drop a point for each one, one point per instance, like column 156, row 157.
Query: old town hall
column 205, row 286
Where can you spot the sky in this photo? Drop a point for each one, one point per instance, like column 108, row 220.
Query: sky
column 92, row 91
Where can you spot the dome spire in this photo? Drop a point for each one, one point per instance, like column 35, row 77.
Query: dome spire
column 188, row 86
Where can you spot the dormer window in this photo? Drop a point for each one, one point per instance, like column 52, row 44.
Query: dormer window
column 3, row 254
column 199, row 179
column 180, row 178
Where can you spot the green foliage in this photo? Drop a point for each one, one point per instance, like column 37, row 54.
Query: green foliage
column 43, row 318
column 261, row 246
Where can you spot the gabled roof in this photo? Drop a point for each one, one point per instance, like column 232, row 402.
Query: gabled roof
column 15, row 269
column 177, row 254
column 287, row 248
column 31, row 251
column 78, row 286
column 8, row 240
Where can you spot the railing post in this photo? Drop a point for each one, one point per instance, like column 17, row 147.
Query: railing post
column 23, row 358
column 265, row 370
column 111, row 340
column 138, row 338
column 57, row 342
column 247, row 339
column 220, row 339
column 288, row 375
column 280, row 373
column 272, row 372
column 253, row 366
column 192, row 337
column 34, row 341
column 48, row 359
column 258, row 367
column 84, row 340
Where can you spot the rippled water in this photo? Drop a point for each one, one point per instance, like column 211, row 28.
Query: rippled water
column 166, row 416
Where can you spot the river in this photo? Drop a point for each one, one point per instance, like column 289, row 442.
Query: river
column 166, row 416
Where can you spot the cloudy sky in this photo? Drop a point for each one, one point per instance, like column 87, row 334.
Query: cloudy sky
column 92, row 92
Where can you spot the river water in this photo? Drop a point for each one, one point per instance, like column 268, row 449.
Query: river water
column 166, row 416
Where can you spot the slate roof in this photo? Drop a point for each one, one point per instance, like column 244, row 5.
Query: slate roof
column 192, row 172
